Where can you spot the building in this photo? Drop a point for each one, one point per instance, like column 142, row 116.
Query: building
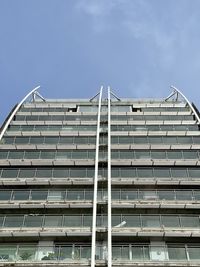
column 100, row 182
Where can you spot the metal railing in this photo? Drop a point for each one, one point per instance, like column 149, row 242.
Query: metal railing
column 82, row 253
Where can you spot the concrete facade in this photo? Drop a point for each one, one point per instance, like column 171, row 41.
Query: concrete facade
column 100, row 182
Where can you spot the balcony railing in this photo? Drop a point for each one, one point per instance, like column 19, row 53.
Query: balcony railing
column 121, row 253
column 173, row 222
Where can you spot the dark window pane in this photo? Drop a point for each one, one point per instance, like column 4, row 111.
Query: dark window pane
column 39, row 195
column 162, row 172
column 170, row 221
column 47, row 155
column 9, row 173
column 144, row 172
column 32, row 154
column 179, row 172
column 51, row 140
column 52, row 221
column 27, row 173
column 158, row 154
column 36, row 140
column 5, row 195
column 194, row 173
column 33, row 221
column 14, row 221
column 21, row 140
column 61, row 173
column 128, row 172
column 15, row 154
column 44, row 173
column 20, row 195
column 191, row 222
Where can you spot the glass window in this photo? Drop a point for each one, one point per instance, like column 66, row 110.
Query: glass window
column 169, row 140
column 85, row 252
column 72, row 221
column 155, row 140
column 174, row 154
column 64, row 154
column 5, row 195
column 183, row 195
column 8, row 252
column 179, row 173
column 129, row 195
column 8, row 140
column 14, row 221
column 32, row 154
column 148, row 195
column 145, row 172
column 187, row 221
column 65, row 252
column 126, row 154
column 166, row 194
column 125, row 139
column 196, row 194
column 131, row 221
column 36, row 140
column 20, row 195
column 33, row 220
column 87, row 220
column 9, row 173
column 128, row 172
column 194, row 173
column 44, row 173
column 78, row 173
column 170, row 221
column 39, row 194
column 66, row 140
column 137, row 253
column 158, row 154
column 27, row 173
column 190, row 154
column 51, row 140
column 185, row 140
column 194, row 252
column 80, row 140
column 176, row 253
column 142, row 154
column 15, row 154
column 60, row 173
column 162, row 172
column 21, row 140
column 140, row 140
column 47, row 154
column 75, row 194
column 56, row 195
column 79, row 154
column 196, row 139
column 88, row 195
column 53, row 221
column 150, row 221
column 26, row 253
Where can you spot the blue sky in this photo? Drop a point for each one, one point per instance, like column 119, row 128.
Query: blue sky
column 72, row 47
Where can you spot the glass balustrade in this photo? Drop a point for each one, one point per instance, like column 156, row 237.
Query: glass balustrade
column 87, row 195
column 120, row 253
column 90, row 154
column 119, row 221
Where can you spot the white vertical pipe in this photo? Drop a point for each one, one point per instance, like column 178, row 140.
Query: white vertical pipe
column 109, row 186
column 15, row 111
column 94, row 215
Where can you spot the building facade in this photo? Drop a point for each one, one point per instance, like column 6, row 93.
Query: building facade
column 100, row 182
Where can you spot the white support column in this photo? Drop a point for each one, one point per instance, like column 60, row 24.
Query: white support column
column 109, row 186
column 15, row 111
column 94, row 215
